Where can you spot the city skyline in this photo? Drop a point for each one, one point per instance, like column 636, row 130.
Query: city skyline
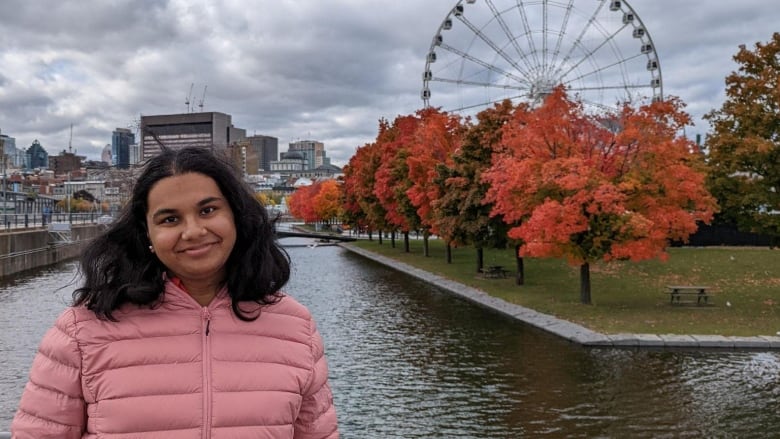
column 294, row 71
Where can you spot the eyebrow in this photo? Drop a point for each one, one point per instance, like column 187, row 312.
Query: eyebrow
column 201, row 203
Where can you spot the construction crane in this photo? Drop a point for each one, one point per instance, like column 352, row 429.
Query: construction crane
column 202, row 98
column 189, row 96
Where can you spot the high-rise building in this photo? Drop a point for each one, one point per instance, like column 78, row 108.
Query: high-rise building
column 267, row 150
column 312, row 151
column 65, row 162
column 210, row 129
column 121, row 139
column 14, row 157
column 36, row 156
column 105, row 155
column 135, row 153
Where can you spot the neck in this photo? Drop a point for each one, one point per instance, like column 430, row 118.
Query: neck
column 202, row 297
column 202, row 292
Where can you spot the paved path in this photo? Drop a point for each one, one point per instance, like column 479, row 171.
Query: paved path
column 572, row 331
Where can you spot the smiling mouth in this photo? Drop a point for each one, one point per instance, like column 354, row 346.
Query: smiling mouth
column 198, row 248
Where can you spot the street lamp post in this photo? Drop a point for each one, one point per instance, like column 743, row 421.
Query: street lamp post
column 5, row 189
column 67, row 198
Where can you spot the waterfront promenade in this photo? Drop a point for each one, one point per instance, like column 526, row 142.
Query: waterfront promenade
column 572, row 331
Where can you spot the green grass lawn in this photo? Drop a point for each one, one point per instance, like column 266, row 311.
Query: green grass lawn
column 627, row 297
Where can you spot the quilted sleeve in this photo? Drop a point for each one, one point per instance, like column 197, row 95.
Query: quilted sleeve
column 317, row 417
column 52, row 404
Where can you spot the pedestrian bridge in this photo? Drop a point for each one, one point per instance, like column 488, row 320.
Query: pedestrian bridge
column 290, row 233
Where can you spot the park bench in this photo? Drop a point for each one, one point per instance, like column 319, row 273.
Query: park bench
column 678, row 292
column 494, row 272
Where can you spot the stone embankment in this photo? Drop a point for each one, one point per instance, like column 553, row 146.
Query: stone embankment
column 572, row 331
column 28, row 249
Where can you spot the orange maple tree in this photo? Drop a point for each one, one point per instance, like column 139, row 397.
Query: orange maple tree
column 362, row 207
column 300, row 203
column 588, row 189
column 392, row 180
column 318, row 202
column 328, row 201
column 437, row 136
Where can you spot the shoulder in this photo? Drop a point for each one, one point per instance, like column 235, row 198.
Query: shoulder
column 286, row 319
column 288, row 306
column 71, row 317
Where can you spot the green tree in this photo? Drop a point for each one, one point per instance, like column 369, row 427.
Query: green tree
column 464, row 215
column 744, row 156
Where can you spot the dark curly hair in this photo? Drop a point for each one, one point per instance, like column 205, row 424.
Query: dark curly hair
column 117, row 266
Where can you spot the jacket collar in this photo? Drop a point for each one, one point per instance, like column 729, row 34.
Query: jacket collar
column 178, row 297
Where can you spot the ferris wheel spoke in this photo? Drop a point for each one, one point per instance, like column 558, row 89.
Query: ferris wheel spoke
column 544, row 36
column 485, row 103
column 561, row 33
column 509, row 35
column 479, row 83
column 589, row 54
column 527, row 29
column 492, row 45
column 602, row 69
column 609, row 87
column 601, row 106
column 483, row 63
column 578, row 41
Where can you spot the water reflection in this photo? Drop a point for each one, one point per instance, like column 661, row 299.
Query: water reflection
column 410, row 361
column 29, row 303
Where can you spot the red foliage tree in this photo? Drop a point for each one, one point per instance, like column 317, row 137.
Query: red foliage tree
column 437, row 136
column 301, row 205
column 361, row 204
column 392, row 176
column 583, row 191
column 328, row 200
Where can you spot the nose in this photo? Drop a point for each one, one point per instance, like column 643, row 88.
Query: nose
column 192, row 229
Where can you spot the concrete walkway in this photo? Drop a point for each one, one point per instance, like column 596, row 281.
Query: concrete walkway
column 572, row 331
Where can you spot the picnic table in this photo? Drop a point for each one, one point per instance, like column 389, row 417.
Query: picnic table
column 494, row 272
column 699, row 292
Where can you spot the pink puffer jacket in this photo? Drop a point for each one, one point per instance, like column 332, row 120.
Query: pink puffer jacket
column 179, row 371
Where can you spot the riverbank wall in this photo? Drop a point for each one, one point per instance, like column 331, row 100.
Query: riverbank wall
column 22, row 250
column 571, row 331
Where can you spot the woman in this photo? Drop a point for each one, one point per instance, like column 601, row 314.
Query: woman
column 180, row 329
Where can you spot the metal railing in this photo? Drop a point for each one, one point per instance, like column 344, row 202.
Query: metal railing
column 5, row 435
column 12, row 221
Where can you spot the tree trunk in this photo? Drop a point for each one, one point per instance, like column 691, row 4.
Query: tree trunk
column 370, row 235
column 426, row 250
column 480, row 259
column 520, row 274
column 406, row 242
column 448, row 253
column 585, row 283
column 380, row 237
column 392, row 239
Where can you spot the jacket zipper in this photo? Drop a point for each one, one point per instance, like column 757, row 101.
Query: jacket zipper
column 206, row 323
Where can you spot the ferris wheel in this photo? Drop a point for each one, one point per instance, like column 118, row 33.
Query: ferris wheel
column 489, row 50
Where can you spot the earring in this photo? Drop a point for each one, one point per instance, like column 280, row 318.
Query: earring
column 151, row 249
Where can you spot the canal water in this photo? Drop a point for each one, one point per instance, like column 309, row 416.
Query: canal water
column 408, row 360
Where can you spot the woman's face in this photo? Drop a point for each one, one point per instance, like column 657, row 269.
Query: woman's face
column 191, row 228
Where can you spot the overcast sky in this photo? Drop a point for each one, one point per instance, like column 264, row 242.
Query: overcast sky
column 292, row 69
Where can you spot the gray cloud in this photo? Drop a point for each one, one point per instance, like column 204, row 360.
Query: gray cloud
column 291, row 69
